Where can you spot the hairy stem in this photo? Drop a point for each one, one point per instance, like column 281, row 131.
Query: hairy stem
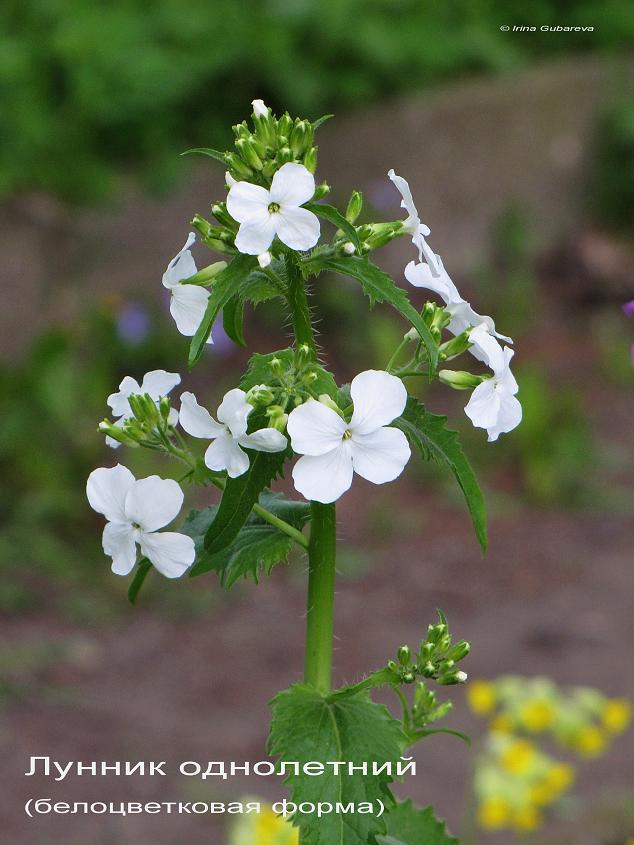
column 299, row 308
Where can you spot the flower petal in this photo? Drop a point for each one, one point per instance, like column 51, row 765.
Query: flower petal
column 118, row 402
column 119, row 544
column 245, row 200
column 158, row 383
column 234, row 411
column 484, row 405
column 110, row 441
column 225, row 453
column 292, row 185
column 378, row 398
column 324, row 478
column 264, row 440
column 487, row 349
column 107, row 490
column 509, row 417
column 380, row 456
column 188, row 304
column 170, row 552
column 315, row 429
column 197, row 420
column 407, row 202
column 421, row 276
column 298, row 228
column 182, row 266
column 153, row 502
column 256, row 235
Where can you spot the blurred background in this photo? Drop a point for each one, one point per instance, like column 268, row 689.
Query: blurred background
column 519, row 147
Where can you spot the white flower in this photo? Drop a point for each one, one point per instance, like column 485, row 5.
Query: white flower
column 493, row 404
column 156, row 384
column 135, row 510
column 263, row 213
column 188, row 303
column 230, row 433
column 333, row 449
column 419, row 231
column 229, row 180
column 462, row 314
column 264, row 259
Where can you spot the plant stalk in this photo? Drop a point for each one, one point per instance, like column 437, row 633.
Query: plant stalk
column 321, row 597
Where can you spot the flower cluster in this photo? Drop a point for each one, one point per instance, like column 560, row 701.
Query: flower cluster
column 263, row 828
column 515, row 780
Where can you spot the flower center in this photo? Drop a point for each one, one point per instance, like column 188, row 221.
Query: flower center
column 347, row 434
column 274, row 207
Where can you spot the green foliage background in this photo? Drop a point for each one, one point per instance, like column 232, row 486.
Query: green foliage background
column 91, row 90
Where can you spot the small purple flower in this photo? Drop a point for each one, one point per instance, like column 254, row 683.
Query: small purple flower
column 133, row 323
column 628, row 308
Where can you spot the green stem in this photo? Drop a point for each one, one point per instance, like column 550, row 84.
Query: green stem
column 267, row 516
column 321, row 595
column 397, row 352
column 299, row 308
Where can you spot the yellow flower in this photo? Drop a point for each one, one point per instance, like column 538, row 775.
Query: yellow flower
column 518, row 757
column 481, row 697
column 528, row 818
column 502, row 724
column 537, row 715
column 590, row 741
column 494, row 813
column 560, row 777
column 616, row 715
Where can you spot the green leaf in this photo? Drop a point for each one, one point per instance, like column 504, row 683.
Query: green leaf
column 407, row 825
column 139, row 578
column 239, row 496
column 226, row 284
column 233, row 320
column 379, row 287
column 307, row 726
column 259, row 372
column 330, row 213
column 258, row 545
column 258, row 287
column 207, row 151
column 320, row 120
column 427, row 433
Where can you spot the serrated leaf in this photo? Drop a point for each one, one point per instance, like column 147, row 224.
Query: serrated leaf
column 427, row 433
column 330, row 213
column 258, row 545
column 239, row 496
column 307, row 726
column 226, row 284
column 406, row 825
column 258, row 287
column 207, row 151
column 259, row 372
column 380, row 287
column 233, row 320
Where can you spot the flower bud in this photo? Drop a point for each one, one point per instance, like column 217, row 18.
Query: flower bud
column 458, row 677
column 394, row 668
column 301, row 137
column 454, row 347
column 260, row 110
column 165, row 408
column 284, row 126
column 310, row 159
column 264, row 259
column 117, row 433
column 277, row 417
column 219, row 211
column 459, row 651
column 322, row 190
column 260, row 394
column 276, row 366
column 247, row 150
column 241, row 130
column 355, row 204
column 459, row 379
column 408, row 677
column 349, row 248
column 237, row 167
column 428, row 670
column 330, row 403
column 284, row 155
column 404, row 655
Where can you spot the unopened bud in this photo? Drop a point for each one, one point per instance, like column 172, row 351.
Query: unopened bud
column 301, row 137
column 260, row 394
column 322, row 190
column 310, row 159
column 349, row 248
column 459, row 651
column 241, row 130
column 459, row 379
column 165, row 407
column 393, row 667
column 408, row 677
column 117, row 433
column 355, row 204
column 284, row 155
column 264, row 259
column 330, row 403
column 284, row 125
column 237, row 166
column 404, row 655
column 260, row 109
column 277, row 417
column 247, row 150
column 458, row 677
column 219, row 211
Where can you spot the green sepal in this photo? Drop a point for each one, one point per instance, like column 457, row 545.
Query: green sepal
column 378, row 287
column 427, row 433
column 407, row 825
column 140, row 575
column 332, row 215
column 239, row 496
column 257, row 547
column 306, row 726
column 226, row 284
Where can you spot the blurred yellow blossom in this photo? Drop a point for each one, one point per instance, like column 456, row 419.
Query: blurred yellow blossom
column 537, row 715
column 502, row 724
column 265, row 828
column 481, row 697
column 528, row 818
column 518, row 757
column 616, row 715
column 494, row 813
column 590, row 741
